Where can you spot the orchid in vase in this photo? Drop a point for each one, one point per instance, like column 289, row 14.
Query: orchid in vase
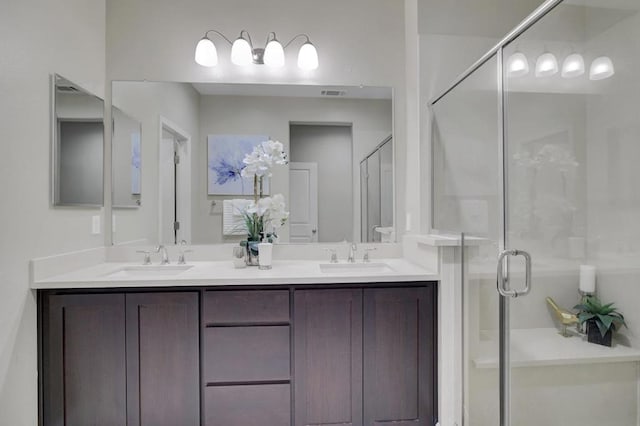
column 265, row 215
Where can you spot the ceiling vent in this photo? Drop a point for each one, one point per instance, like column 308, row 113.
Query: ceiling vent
column 333, row 93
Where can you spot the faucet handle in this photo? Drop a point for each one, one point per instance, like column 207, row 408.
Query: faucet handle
column 334, row 256
column 365, row 258
column 147, row 256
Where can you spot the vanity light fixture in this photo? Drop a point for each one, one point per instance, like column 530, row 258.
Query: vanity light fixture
column 546, row 65
column 601, row 68
column 244, row 53
column 573, row 66
column 517, row 65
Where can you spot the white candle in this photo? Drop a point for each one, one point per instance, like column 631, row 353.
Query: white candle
column 588, row 279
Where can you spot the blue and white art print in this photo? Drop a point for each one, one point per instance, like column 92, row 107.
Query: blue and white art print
column 224, row 164
column 136, row 160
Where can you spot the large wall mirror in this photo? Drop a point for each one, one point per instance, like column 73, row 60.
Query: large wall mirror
column 193, row 139
column 77, row 145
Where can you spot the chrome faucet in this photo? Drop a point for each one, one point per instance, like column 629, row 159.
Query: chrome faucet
column 352, row 253
column 164, row 260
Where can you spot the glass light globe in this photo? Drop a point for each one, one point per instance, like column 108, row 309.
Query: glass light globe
column 546, row 65
column 573, row 66
column 241, row 52
column 517, row 65
column 601, row 68
column 274, row 54
column 206, row 54
column 308, row 57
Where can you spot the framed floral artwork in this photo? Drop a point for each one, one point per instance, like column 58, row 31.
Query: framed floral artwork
column 224, row 164
column 136, row 162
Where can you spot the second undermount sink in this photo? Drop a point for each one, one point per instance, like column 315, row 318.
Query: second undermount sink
column 138, row 271
column 366, row 268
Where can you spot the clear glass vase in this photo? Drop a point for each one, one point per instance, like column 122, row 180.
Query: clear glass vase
column 251, row 248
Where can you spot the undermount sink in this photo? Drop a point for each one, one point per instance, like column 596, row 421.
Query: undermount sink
column 149, row 271
column 367, row 268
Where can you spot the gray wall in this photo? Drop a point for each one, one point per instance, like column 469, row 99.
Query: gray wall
column 147, row 101
column 124, row 127
column 39, row 38
column 330, row 147
column 79, row 148
column 80, row 160
column 371, row 123
column 359, row 42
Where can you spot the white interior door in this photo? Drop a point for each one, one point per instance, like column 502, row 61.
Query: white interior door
column 303, row 196
column 174, row 181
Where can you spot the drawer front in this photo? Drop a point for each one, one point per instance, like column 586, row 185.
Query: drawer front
column 264, row 405
column 252, row 306
column 244, row 354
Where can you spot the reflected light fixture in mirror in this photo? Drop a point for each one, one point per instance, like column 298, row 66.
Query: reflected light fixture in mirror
column 573, row 66
column 546, row 65
column 244, row 53
column 517, row 65
column 601, row 68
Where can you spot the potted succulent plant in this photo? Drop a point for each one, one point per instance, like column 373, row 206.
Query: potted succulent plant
column 602, row 320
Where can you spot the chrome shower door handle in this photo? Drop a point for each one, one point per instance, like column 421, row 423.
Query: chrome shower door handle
column 527, row 274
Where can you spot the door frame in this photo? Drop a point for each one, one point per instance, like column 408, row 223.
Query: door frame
column 183, row 179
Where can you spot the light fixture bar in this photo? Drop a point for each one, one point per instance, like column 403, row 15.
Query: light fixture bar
column 243, row 52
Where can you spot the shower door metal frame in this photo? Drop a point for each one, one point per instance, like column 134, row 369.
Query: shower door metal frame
column 504, row 306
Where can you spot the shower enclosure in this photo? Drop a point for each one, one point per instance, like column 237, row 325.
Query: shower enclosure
column 536, row 151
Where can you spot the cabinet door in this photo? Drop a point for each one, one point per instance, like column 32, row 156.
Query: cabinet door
column 84, row 360
column 328, row 357
column 399, row 356
column 163, row 359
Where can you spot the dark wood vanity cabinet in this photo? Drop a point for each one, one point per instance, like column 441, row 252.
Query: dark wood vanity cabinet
column 120, row 359
column 84, row 360
column 365, row 356
column 359, row 356
column 163, row 359
column 247, row 357
column 400, row 375
column 328, row 357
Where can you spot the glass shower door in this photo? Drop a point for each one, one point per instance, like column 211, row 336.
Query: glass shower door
column 376, row 194
column 571, row 153
column 467, row 199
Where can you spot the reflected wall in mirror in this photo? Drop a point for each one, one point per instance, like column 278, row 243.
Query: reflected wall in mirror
column 77, row 145
column 333, row 128
column 126, row 159
column 376, row 194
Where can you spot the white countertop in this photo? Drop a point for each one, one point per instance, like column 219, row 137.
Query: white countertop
column 218, row 273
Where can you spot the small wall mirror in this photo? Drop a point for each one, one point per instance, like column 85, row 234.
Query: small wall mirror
column 77, row 145
column 126, row 160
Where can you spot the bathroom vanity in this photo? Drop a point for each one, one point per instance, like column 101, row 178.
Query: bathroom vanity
column 292, row 348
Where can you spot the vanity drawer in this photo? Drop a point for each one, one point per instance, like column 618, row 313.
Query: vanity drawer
column 264, row 405
column 238, row 307
column 246, row 354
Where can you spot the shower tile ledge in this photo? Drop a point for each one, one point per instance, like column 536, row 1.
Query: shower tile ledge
column 541, row 347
